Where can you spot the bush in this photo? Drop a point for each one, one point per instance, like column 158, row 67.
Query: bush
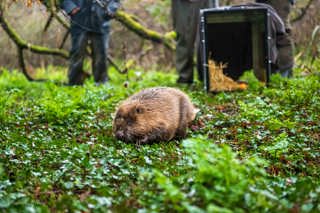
column 216, row 181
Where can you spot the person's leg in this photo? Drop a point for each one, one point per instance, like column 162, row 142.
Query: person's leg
column 285, row 60
column 206, row 4
column 284, row 42
column 185, row 16
column 99, row 56
column 77, row 54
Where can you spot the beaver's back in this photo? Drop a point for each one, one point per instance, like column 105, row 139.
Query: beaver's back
column 165, row 108
column 170, row 102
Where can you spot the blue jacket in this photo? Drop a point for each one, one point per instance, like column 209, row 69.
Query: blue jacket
column 94, row 15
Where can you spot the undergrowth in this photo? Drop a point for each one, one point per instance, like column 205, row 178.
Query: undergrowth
column 251, row 151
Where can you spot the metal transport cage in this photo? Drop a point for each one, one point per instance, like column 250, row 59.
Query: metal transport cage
column 239, row 37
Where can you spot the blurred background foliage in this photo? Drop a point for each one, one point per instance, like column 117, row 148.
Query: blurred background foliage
column 29, row 17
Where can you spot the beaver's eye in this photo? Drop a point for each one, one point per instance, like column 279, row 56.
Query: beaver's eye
column 139, row 110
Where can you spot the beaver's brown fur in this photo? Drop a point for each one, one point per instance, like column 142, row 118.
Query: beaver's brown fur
column 154, row 114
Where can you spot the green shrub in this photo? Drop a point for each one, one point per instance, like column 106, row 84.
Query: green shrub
column 216, row 181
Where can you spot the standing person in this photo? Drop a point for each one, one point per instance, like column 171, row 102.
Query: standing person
column 285, row 59
column 90, row 23
column 185, row 15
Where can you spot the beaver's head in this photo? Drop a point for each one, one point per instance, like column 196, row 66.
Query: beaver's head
column 131, row 122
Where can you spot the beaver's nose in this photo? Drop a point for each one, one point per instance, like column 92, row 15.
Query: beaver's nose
column 120, row 134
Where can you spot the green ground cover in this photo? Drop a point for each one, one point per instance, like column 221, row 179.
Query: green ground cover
column 251, row 151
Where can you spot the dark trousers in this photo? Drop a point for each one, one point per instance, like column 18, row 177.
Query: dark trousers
column 185, row 15
column 285, row 60
column 99, row 47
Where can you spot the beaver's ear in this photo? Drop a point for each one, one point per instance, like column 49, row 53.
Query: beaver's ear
column 118, row 113
column 139, row 110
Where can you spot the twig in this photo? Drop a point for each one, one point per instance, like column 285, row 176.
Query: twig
column 65, row 37
column 14, row 36
column 49, row 21
column 53, row 9
column 129, row 22
column 304, row 12
column 22, row 44
column 23, row 65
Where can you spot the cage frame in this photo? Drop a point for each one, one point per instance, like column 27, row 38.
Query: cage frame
column 261, row 59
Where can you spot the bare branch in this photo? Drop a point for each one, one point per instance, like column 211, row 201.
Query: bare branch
column 14, row 36
column 304, row 11
column 49, row 21
column 65, row 37
column 53, row 9
column 128, row 21
column 23, row 65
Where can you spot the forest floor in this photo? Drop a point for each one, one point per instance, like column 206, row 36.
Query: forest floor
column 252, row 151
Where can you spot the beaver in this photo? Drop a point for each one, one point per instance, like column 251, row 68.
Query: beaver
column 154, row 115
